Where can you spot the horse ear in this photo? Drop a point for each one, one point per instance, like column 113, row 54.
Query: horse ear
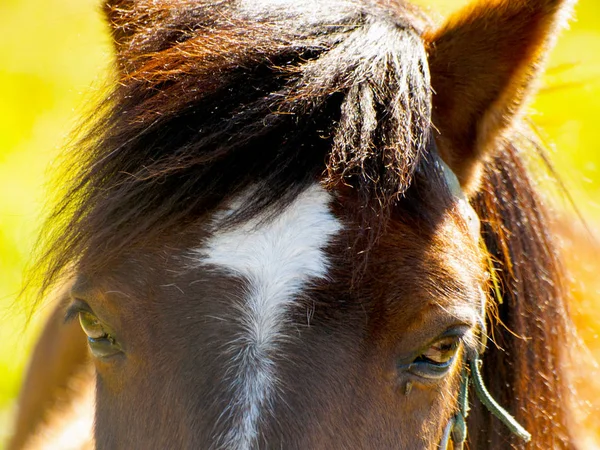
column 484, row 64
column 117, row 13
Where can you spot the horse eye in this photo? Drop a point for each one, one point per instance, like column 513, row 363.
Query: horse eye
column 92, row 326
column 442, row 352
column 436, row 361
column 101, row 342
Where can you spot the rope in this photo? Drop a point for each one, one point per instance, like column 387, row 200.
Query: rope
column 491, row 404
column 456, row 429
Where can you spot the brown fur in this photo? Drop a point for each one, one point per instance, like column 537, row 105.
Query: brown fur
column 507, row 197
column 59, row 357
column 484, row 64
column 210, row 102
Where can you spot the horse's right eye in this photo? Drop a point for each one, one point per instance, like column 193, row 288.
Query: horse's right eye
column 100, row 338
column 91, row 326
column 102, row 343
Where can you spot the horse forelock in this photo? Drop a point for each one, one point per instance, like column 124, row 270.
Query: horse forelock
column 206, row 107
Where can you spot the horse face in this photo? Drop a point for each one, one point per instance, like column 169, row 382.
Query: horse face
column 299, row 325
column 260, row 335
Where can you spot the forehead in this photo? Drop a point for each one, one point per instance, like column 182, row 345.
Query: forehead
column 311, row 241
column 276, row 296
column 427, row 278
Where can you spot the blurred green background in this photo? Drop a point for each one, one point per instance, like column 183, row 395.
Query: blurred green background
column 55, row 59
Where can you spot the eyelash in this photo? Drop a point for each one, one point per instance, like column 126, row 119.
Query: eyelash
column 73, row 310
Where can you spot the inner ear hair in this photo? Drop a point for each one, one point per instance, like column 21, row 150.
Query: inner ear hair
column 485, row 62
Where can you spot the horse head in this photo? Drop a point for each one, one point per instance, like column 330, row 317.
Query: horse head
column 291, row 220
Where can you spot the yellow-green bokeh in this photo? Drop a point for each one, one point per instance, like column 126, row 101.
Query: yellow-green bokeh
column 55, row 57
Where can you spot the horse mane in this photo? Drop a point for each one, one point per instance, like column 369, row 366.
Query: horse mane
column 526, row 365
column 211, row 101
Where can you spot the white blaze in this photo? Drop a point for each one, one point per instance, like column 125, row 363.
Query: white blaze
column 277, row 258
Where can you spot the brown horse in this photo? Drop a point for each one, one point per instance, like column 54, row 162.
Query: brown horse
column 304, row 225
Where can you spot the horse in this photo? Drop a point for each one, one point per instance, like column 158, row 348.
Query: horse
column 309, row 224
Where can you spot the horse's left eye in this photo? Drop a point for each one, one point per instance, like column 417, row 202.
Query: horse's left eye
column 436, row 361
column 442, row 352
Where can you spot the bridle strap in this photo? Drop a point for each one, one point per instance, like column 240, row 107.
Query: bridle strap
column 491, row 404
column 456, row 429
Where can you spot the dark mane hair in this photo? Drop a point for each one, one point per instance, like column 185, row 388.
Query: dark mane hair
column 213, row 99
column 525, row 367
